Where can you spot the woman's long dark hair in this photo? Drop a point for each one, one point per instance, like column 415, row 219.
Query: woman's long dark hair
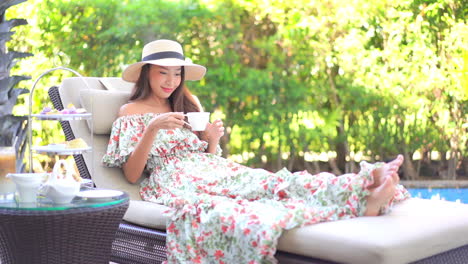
column 181, row 100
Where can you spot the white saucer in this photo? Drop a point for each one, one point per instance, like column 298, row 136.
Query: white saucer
column 99, row 195
column 59, row 150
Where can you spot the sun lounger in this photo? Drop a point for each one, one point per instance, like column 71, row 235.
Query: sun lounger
column 416, row 231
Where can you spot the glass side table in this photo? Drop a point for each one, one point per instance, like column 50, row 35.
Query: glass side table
column 43, row 232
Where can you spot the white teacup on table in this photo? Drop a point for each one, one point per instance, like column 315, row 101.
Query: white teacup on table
column 198, row 120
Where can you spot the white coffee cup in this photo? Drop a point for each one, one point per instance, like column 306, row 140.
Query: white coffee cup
column 198, row 120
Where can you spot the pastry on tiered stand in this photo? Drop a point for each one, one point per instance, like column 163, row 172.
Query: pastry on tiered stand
column 71, row 109
column 77, row 143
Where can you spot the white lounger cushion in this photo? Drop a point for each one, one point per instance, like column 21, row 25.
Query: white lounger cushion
column 146, row 214
column 415, row 229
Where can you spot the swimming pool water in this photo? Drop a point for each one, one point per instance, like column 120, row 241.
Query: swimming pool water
column 448, row 194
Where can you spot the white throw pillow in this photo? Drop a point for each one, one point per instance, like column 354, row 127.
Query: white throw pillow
column 116, row 84
column 104, row 105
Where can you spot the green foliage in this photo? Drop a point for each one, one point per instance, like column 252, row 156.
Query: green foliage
column 377, row 78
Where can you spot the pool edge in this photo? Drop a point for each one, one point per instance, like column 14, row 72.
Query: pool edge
column 435, row 184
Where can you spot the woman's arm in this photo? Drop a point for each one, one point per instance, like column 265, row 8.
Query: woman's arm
column 136, row 162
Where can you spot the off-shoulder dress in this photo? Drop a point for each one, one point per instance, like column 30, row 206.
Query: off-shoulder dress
column 224, row 212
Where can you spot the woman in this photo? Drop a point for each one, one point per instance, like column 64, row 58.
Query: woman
column 223, row 212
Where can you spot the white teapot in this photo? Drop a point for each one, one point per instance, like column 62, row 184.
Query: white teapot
column 27, row 185
column 61, row 188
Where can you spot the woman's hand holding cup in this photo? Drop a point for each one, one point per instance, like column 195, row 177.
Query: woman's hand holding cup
column 171, row 120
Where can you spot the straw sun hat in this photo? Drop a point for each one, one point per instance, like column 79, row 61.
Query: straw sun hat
column 164, row 52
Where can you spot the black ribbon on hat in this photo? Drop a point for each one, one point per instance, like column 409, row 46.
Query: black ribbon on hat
column 164, row 55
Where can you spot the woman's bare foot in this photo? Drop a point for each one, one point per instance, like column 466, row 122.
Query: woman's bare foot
column 383, row 188
column 379, row 197
column 388, row 169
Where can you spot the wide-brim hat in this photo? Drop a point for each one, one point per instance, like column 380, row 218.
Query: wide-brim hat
column 164, row 52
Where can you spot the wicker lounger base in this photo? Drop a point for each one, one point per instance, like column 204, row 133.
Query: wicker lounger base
column 135, row 244
column 140, row 245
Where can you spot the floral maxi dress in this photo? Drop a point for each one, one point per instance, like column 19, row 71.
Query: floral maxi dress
column 224, row 212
